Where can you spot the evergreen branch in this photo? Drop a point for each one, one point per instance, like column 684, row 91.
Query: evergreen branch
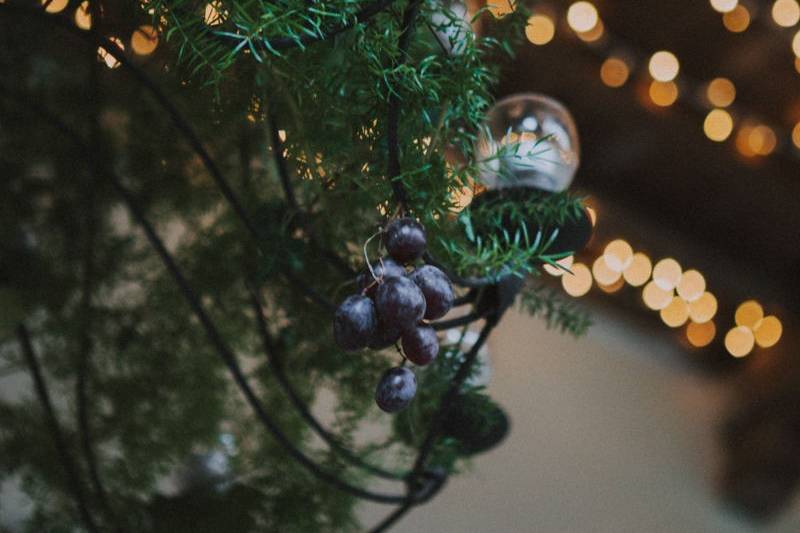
column 277, row 44
column 72, row 472
column 213, row 334
column 180, row 122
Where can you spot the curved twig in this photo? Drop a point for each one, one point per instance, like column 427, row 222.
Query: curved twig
column 456, row 322
column 228, row 358
column 276, row 364
column 72, row 472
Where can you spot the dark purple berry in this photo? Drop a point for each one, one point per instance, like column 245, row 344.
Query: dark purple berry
column 420, row 345
column 355, row 323
column 396, row 389
column 384, row 337
column 384, row 269
column 405, row 240
column 437, row 289
column 399, row 303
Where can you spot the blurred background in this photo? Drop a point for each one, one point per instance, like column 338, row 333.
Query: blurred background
column 686, row 415
column 680, row 409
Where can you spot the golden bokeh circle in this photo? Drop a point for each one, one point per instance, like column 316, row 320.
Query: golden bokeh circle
column 739, row 341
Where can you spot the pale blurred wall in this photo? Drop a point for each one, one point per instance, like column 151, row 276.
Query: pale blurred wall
column 610, row 433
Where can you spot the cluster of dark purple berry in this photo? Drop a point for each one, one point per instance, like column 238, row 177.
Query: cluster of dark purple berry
column 393, row 305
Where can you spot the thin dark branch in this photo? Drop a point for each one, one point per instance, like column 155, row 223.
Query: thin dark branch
column 302, row 216
column 468, row 298
column 464, row 369
column 392, row 518
column 456, row 322
column 285, row 43
column 72, row 472
column 280, row 161
column 393, row 169
column 276, row 363
column 212, row 333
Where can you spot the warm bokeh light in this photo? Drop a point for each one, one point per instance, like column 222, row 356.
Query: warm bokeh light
column 796, row 135
column 592, row 35
column 797, row 59
column 703, row 309
column 614, row 72
column 796, row 45
column 738, row 20
column 692, row 285
column 566, row 262
column 213, row 15
column 638, row 272
column 743, row 140
column 579, row 282
column 676, row 313
column 749, row 313
column 663, row 66
column 786, row 13
column 718, row 125
column 83, row 16
column 582, row 16
column 762, row 140
column 592, row 215
column 540, row 29
column 55, row 6
column 108, row 59
column 700, row 335
column 721, row 92
column 663, row 94
column 602, row 272
column 461, row 198
column 768, row 332
column 723, row 6
column 144, row 40
column 618, row 255
column 614, row 287
column 655, row 297
column 500, row 8
column 667, row 274
column 739, row 341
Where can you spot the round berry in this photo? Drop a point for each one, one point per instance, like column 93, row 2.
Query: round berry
column 437, row 289
column 420, row 345
column 396, row 389
column 405, row 240
column 399, row 303
column 385, row 268
column 384, row 337
column 355, row 322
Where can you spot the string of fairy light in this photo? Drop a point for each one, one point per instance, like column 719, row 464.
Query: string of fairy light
column 680, row 296
column 663, row 84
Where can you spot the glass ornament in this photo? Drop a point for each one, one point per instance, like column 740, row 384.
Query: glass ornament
column 529, row 140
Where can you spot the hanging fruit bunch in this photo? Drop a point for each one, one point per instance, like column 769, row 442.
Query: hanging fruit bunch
column 396, row 301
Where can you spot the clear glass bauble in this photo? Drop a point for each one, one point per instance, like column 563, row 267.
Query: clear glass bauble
column 529, row 140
